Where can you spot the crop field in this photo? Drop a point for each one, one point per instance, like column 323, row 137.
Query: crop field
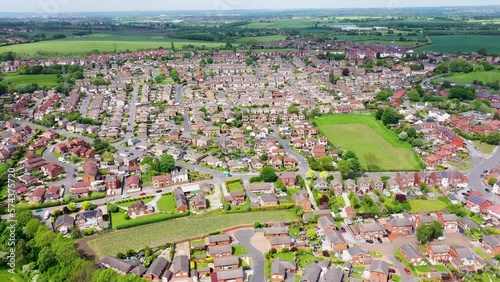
column 364, row 135
column 160, row 233
column 468, row 78
column 104, row 43
column 267, row 38
column 463, row 43
column 40, row 79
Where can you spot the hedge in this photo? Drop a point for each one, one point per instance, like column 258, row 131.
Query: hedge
column 234, row 180
column 21, row 207
column 273, row 208
column 134, row 199
column 146, row 220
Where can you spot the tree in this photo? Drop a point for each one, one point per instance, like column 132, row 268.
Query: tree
column 413, row 95
column 311, row 234
column 324, row 174
column 493, row 138
column 461, row 65
column 48, row 120
column 496, row 116
column 412, row 132
column 403, row 136
column 292, row 109
column 72, row 207
column 390, row 116
column 417, row 142
column 462, row 93
column 378, row 114
column 371, row 162
column 46, row 259
column 492, row 181
column 344, row 166
column 311, row 174
column 345, row 72
column 482, row 52
column 113, row 208
column 384, row 94
column 268, row 174
column 331, row 77
column 166, row 163
column 429, row 232
column 86, row 205
column 100, row 145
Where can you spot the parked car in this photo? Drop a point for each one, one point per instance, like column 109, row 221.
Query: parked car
column 379, row 240
column 158, row 191
column 369, row 241
column 74, row 175
column 485, row 171
column 343, row 230
column 38, row 210
column 487, row 190
column 481, row 176
column 392, row 270
column 441, row 238
column 407, row 271
column 142, row 194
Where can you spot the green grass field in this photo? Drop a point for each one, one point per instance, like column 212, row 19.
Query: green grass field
column 160, row 233
column 236, row 186
column 468, row 78
column 463, row 43
column 104, row 43
column 427, row 205
column 167, row 203
column 40, row 79
column 363, row 134
column 266, row 38
column 133, row 202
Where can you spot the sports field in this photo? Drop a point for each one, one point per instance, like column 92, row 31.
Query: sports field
column 369, row 140
column 463, row 43
column 468, row 78
column 160, row 233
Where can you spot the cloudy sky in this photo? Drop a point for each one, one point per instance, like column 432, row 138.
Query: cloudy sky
column 45, row 6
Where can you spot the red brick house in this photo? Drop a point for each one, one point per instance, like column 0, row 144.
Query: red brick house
column 162, row 181
column 447, row 220
column 477, row 204
column 438, row 253
column 37, row 195
column 301, row 199
column 52, row 170
column 491, row 244
column 111, row 182
column 411, row 254
column 289, row 179
column 219, row 240
column 226, row 263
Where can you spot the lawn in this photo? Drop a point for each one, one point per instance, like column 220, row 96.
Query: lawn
column 5, row 276
column 127, row 204
column 177, row 230
column 339, row 199
column 167, row 203
column 441, row 268
column 239, row 250
column 235, row 186
column 288, row 256
column 463, row 43
column 306, row 259
column 49, row 80
column 468, row 78
column 423, row 268
column 364, row 135
column 484, row 147
column 118, row 218
column 427, row 205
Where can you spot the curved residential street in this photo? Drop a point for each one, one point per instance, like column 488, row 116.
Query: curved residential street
column 244, row 237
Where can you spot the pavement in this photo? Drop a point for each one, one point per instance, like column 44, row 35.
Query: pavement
column 245, row 237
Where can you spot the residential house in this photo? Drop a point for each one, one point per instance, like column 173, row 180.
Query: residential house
column 199, row 202
column 379, row 271
column 372, row 230
column 52, row 170
column 268, row 200
column 111, row 182
column 321, row 185
column 405, row 180
column 438, row 253
column 52, row 193
column 289, row 179
column 272, row 232
column 334, row 275
column 491, row 244
column 37, row 195
column 279, row 243
column 399, row 226
column 181, row 267
column 477, row 204
column 162, row 181
column 180, row 200
column 280, row 269
column 64, row 222
column 336, row 240
column 89, row 219
column 220, row 251
column 411, row 254
column 349, row 185
column 261, row 188
column 356, row 255
column 217, row 240
column 226, row 263
column 237, row 197
column 139, row 208
column 447, row 220
column 311, row 273
column 464, row 255
column 465, row 224
column 118, row 265
column 301, row 199
column 133, row 183
column 233, row 275
column 157, row 268
column 337, row 186
column 364, row 185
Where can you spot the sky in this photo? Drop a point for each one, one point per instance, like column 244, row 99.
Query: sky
column 65, row 6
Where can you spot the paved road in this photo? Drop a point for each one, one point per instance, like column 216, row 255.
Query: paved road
column 187, row 124
column 130, row 126
column 481, row 163
column 84, row 108
column 178, row 93
column 408, row 106
column 244, row 237
column 68, row 180
column 426, row 81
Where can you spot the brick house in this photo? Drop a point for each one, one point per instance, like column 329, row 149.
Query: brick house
column 37, row 195
column 491, row 244
column 181, row 267
column 400, row 226
column 139, row 208
column 336, row 240
column 447, row 220
column 289, row 179
column 280, row 269
column 111, row 182
column 226, row 263
column 301, row 199
column 219, row 240
column 477, row 204
column 162, row 181
column 356, row 255
column 233, row 275
column 379, row 271
column 411, row 254
column 372, row 230
column 237, row 197
column 220, row 251
column 280, row 243
column 438, row 253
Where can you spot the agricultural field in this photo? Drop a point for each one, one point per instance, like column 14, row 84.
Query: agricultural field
column 160, row 233
column 49, row 80
column 267, row 38
column 104, row 43
column 363, row 134
column 468, row 78
column 462, row 43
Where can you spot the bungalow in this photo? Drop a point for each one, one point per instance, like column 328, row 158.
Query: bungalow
column 181, row 267
column 464, row 255
column 280, row 269
column 311, row 273
column 379, row 271
column 118, row 265
column 261, row 188
column 220, row 251
column 438, row 253
column 157, row 269
column 356, row 255
column 226, row 263
column 326, row 223
column 64, row 222
column 411, row 254
column 280, row 243
column 272, row 232
column 233, row 275
column 216, row 240
column 180, row 200
column 52, row 193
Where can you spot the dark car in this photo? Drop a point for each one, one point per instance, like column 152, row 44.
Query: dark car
column 62, row 186
column 143, row 194
column 392, row 270
column 481, row 176
column 487, row 190
column 343, row 230
column 158, row 191
column 485, row 171
column 369, row 241
column 379, row 240
column 407, row 271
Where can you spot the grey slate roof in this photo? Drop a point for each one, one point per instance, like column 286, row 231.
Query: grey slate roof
column 231, row 260
column 379, row 266
column 118, row 264
column 158, row 267
column 410, row 251
column 181, row 263
column 230, row 274
column 311, row 273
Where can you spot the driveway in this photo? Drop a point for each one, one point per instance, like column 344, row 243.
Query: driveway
column 245, row 238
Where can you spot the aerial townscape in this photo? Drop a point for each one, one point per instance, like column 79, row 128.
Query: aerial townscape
column 241, row 144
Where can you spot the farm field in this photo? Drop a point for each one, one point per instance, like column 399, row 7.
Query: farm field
column 160, row 233
column 267, row 38
column 104, row 43
column 40, row 79
column 462, row 43
column 363, row 135
column 427, row 205
column 468, row 78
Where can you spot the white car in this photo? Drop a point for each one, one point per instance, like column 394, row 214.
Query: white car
column 441, row 238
